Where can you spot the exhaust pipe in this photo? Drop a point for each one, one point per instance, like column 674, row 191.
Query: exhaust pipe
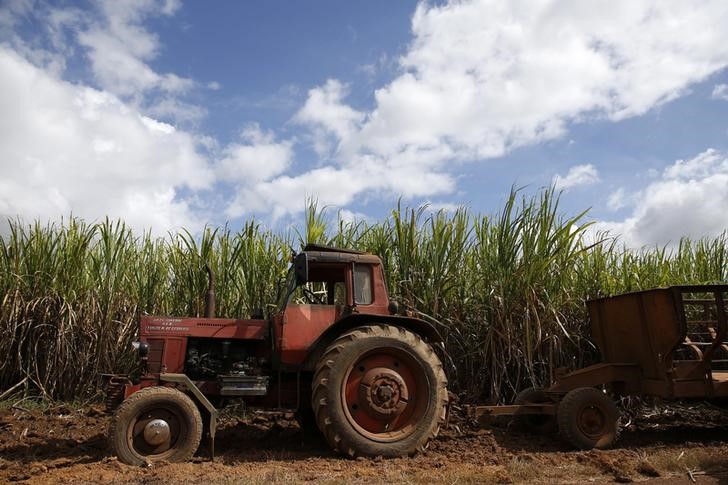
column 210, row 297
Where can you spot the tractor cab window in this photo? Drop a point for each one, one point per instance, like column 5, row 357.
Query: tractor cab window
column 362, row 284
column 286, row 289
column 339, row 293
column 325, row 286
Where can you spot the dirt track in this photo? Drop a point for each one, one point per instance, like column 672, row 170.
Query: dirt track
column 64, row 445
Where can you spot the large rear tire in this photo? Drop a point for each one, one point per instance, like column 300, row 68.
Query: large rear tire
column 155, row 424
column 379, row 390
column 588, row 419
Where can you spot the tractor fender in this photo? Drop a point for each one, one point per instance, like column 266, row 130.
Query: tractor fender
column 422, row 328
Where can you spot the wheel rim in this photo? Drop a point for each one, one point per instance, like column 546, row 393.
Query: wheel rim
column 592, row 421
column 386, row 394
column 156, row 432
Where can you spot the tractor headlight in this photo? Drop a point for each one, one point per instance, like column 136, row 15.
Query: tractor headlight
column 142, row 348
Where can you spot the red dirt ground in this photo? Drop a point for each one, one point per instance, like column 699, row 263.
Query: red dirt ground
column 662, row 446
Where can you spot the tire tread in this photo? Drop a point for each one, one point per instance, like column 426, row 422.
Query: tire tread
column 321, row 380
column 126, row 411
column 568, row 408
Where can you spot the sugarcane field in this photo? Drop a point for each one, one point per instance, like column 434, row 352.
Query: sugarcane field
column 425, row 241
column 56, row 419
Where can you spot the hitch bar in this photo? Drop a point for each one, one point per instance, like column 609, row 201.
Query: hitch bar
column 478, row 412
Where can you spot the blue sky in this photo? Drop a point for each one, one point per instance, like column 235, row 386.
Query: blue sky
column 170, row 113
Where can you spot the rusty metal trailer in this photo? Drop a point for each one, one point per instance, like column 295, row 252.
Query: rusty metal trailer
column 666, row 342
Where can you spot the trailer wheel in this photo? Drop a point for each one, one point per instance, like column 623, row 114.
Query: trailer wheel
column 379, row 390
column 536, row 423
column 588, row 419
column 154, row 424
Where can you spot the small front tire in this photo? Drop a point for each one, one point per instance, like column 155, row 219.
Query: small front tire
column 155, row 424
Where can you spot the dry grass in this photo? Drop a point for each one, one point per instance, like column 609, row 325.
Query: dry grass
column 694, row 459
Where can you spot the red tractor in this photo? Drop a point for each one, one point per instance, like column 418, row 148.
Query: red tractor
column 335, row 352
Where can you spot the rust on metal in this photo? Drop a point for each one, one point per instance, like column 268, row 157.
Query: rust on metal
column 479, row 412
column 213, row 413
column 386, row 395
column 664, row 342
column 115, row 386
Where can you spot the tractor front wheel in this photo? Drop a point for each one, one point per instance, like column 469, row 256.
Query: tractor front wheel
column 379, row 390
column 154, row 424
column 588, row 419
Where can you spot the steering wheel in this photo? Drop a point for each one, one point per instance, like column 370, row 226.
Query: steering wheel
column 312, row 297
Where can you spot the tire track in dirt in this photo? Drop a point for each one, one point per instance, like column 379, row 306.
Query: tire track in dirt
column 66, row 445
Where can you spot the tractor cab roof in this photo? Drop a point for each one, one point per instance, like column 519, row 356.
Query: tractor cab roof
column 329, row 254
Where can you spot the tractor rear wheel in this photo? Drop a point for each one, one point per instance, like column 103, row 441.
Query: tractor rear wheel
column 535, row 423
column 379, row 390
column 154, row 424
column 588, row 419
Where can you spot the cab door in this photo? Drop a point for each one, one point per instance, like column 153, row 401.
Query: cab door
column 312, row 309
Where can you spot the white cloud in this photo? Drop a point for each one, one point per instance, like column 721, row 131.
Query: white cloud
column 175, row 109
column 617, row 199
column 720, row 91
column 334, row 187
column 577, row 175
column 444, row 207
column 482, row 78
column 14, row 13
column 326, row 113
column 67, row 148
column 287, row 195
column 258, row 159
column 170, row 7
column 382, row 63
column 117, row 44
column 689, row 199
column 487, row 76
column 119, row 48
column 352, row 217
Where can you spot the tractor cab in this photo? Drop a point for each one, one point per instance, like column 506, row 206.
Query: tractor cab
column 323, row 286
